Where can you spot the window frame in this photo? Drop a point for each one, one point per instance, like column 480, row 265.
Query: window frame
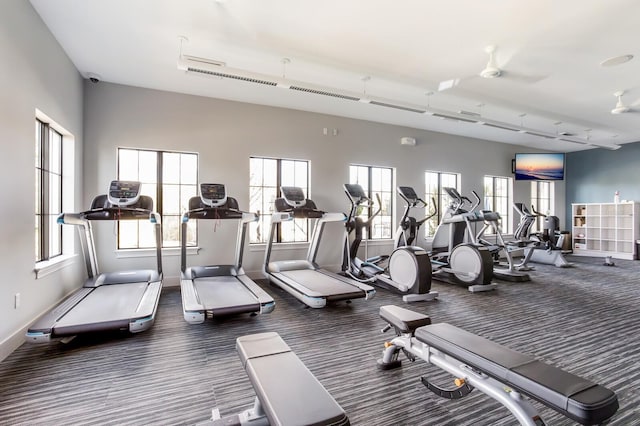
column 159, row 197
column 544, row 205
column 440, row 198
column 66, row 194
column 264, row 217
column 45, row 228
column 368, row 231
column 489, row 203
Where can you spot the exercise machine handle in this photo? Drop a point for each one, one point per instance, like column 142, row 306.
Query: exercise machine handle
column 477, row 203
column 537, row 213
column 435, row 211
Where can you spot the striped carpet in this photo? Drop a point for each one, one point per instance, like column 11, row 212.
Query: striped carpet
column 584, row 319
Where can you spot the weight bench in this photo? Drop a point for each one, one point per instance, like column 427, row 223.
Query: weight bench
column 499, row 372
column 287, row 393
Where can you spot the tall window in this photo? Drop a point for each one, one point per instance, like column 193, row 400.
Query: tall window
column 171, row 179
column 497, row 198
column 376, row 180
column 267, row 175
column 434, row 182
column 48, row 192
column 542, row 199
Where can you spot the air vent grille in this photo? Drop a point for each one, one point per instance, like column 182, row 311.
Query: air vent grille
column 453, row 118
column 235, row 77
column 572, row 141
column 324, row 93
column 403, row 108
column 497, row 126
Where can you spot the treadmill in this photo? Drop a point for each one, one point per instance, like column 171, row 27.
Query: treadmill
column 125, row 300
column 304, row 279
column 218, row 290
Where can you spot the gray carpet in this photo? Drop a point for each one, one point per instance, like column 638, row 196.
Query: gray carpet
column 582, row 319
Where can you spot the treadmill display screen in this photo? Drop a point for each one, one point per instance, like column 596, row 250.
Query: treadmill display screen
column 213, row 194
column 408, row 193
column 124, row 193
column 293, row 195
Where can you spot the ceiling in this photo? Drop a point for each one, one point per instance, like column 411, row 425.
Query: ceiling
column 397, row 53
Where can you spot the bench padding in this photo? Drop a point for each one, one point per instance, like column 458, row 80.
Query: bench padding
column 288, row 392
column 403, row 320
column 575, row 397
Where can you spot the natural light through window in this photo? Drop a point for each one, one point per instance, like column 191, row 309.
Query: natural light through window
column 376, row 181
column 267, row 175
column 170, row 179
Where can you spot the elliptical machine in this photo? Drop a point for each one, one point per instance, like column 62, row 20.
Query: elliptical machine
column 452, row 259
column 408, row 269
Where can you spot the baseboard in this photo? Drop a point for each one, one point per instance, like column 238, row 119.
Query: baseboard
column 13, row 342
column 170, row 281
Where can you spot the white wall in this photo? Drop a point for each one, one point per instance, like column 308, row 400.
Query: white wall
column 226, row 134
column 35, row 73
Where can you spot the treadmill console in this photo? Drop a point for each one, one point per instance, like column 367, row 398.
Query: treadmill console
column 355, row 192
column 123, row 193
column 408, row 193
column 293, row 195
column 213, row 194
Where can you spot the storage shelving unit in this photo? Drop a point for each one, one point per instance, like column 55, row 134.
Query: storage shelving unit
column 605, row 229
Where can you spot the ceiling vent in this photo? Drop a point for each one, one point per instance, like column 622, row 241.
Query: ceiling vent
column 215, row 68
column 501, row 127
column 396, row 106
column 324, row 93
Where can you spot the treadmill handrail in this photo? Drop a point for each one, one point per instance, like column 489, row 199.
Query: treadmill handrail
column 84, row 219
column 201, row 213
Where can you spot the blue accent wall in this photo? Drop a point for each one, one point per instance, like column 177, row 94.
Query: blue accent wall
column 593, row 176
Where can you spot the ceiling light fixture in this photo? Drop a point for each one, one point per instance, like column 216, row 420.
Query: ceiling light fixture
column 364, row 99
column 283, row 84
column 616, row 60
column 522, row 116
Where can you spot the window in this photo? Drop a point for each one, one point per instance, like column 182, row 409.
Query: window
column 434, row 182
column 267, row 175
column 54, row 194
column 48, row 234
column 376, row 181
column 542, row 199
column 170, row 179
column 497, row 198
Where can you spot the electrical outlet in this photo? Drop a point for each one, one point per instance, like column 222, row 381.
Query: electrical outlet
column 17, row 301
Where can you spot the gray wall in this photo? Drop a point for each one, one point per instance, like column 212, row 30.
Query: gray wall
column 35, row 73
column 594, row 176
column 226, row 134
column 102, row 117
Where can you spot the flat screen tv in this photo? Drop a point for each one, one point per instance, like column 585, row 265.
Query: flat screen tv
column 539, row 166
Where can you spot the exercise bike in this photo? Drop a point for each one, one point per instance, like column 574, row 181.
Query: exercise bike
column 545, row 247
column 408, row 269
column 452, row 259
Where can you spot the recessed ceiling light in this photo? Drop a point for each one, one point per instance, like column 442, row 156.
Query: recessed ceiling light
column 616, row 60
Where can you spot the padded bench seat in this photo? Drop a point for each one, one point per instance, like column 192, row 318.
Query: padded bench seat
column 577, row 398
column 288, row 392
column 403, row 320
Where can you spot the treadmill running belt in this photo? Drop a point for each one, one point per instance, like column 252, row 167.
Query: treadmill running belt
column 320, row 284
column 225, row 294
column 116, row 302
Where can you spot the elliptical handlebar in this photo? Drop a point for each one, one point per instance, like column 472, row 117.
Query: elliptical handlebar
column 537, row 213
column 365, row 201
column 475, row 205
